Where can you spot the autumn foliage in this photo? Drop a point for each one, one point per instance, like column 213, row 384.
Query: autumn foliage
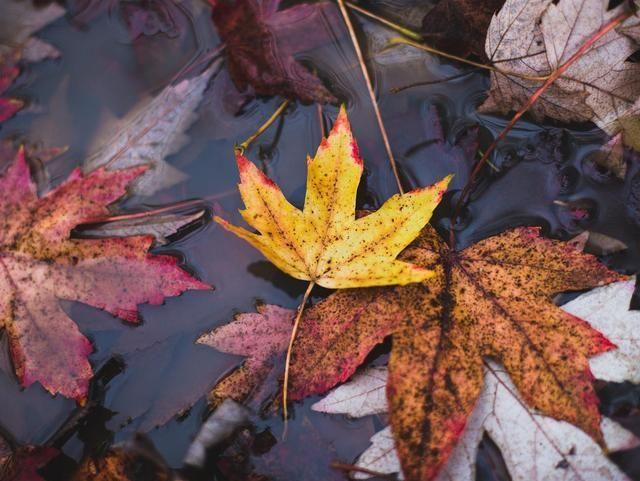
column 42, row 265
column 476, row 347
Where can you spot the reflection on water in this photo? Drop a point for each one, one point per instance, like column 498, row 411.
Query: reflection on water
column 541, row 175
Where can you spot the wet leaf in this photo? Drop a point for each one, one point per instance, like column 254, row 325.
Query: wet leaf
column 135, row 460
column 535, row 37
column 611, row 157
column 41, row 265
column 149, row 17
column 19, row 20
column 562, row 452
column 456, row 26
column 160, row 226
column 491, row 299
column 261, row 337
column 534, row 447
column 325, row 243
column 152, row 132
column 362, row 396
column 261, row 43
column 228, row 417
column 597, row 244
column 606, row 309
column 9, row 71
column 23, row 463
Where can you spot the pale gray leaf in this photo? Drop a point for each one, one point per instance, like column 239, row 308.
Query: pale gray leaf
column 222, row 423
column 607, row 310
column 159, row 226
column 535, row 37
column 152, row 132
column 20, row 19
column 535, row 447
column 363, row 395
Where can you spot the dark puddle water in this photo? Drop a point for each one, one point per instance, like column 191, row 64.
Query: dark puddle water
column 543, row 175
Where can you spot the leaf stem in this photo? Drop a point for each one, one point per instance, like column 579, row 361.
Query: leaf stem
column 372, row 95
column 287, row 363
column 412, row 34
column 359, row 469
column 245, row 145
column 466, row 191
column 421, row 83
column 185, row 204
column 403, row 41
column 414, row 37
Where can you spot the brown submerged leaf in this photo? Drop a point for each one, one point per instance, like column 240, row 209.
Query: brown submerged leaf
column 261, row 42
column 456, row 26
column 23, row 463
column 611, row 157
column 135, row 460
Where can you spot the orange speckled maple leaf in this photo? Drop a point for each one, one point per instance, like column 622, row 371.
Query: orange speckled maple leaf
column 493, row 299
column 40, row 264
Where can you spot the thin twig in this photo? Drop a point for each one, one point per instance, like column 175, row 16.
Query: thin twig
column 245, row 145
column 372, row 95
column 435, row 51
column 422, row 83
column 466, row 191
column 393, row 26
column 147, row 213
column 294, row 332
column 359, row 469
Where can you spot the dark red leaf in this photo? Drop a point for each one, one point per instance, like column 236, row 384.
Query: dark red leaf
column 460, row 26
column 261, row 43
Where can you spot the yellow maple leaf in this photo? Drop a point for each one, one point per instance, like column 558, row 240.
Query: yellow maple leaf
column 325, row 243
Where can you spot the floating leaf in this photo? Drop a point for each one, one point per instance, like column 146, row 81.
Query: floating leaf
column 261, row 337
column 152, row 132
column 325, row 243
column 41, row 265
column 534, row 447
column 261, row 43
column 535, row 37
column 491, row 299
column 23, row 463
column 19, row 20
column 455, row 26
column 160, row 226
